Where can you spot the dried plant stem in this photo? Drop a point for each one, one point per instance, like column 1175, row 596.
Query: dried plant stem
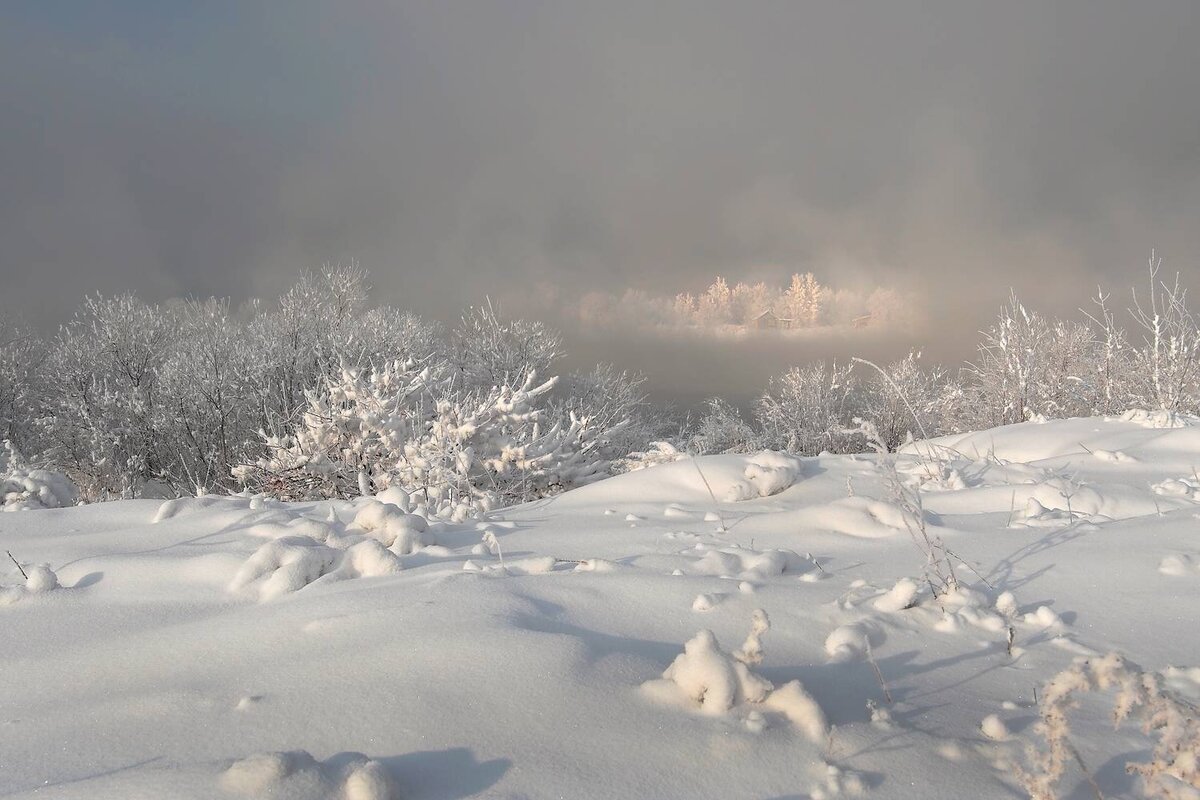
column 707, row 485
column 23, row 575
column 887, row 695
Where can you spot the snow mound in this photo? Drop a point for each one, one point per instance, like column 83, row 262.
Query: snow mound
column 284, row 565
column 402, row 532
column 965, row 606
column 23, row 489
column 536, row 565
column 40, row 579
column 847, row 643
column 299, row 776
column 597, row 565
column 1176, row 487
column 181, row 506
column 747, row 564
column 857, row 516
column 707, row 602
column 769, row 473
column 396, row 496
column 367, row 559
column 994, row 728
column 836, row 782
column 1159, row 418
column 1177, row 565
column 716, row 682
column 713, row 678
column 658, row 453
column 798, row 706
column 901, row 596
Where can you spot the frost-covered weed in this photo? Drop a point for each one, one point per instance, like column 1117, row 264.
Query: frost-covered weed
column 1173, row 770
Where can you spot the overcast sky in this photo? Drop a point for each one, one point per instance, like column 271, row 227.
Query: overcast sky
column 458, row 149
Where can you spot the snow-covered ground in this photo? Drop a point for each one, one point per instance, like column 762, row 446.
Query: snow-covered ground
column 236, row 647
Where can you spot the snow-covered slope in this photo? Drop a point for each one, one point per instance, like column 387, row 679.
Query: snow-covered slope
column 229, row 647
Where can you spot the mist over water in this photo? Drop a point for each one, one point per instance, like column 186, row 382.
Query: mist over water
column 686, row 370
column 951, row 151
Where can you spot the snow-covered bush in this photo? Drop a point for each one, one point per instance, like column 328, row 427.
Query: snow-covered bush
column 358, row 422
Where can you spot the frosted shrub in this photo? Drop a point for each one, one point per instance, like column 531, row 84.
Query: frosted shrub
column 358, row 423
column 496, row 448
column 406, row 426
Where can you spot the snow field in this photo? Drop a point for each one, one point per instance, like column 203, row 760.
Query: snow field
column 241, row 647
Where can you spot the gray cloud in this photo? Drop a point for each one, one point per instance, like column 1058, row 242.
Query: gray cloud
column 458, row 150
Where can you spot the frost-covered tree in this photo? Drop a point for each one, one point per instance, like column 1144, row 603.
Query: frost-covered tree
column 902, row 400
column 487, row 350
column 722, row 429
column 209, row 415
column 748, row 300
column 1165, row 369
column 612, row 400
column 305, row 337
column 714, row 307
column 809, row 409
column 683, row 309
column 804, row 299
column 103, row 415
column 22, row 357
column 1027, row 365
column 1108, row 379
